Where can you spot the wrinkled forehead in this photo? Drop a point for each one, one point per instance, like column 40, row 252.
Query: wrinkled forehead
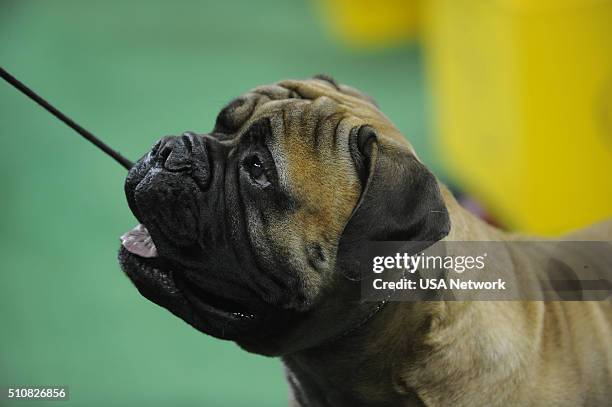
column 290, row 97
column 309, row 107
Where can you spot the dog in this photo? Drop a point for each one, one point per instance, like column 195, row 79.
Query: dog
column 248, row 234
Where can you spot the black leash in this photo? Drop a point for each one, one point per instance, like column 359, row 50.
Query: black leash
column 127, row 164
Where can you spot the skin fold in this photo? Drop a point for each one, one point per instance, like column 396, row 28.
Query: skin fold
column 257, row 226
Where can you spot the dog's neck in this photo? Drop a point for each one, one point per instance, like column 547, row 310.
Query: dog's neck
column 352, row 370
column 374, row 363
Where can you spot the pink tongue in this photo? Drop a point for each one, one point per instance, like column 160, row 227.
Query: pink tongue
column 138, row 241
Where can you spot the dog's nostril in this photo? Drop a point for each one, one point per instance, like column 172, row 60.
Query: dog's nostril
column 161, row 143
column 186, row 138
column 165, row 153
column 175, row 155
column 155, row 148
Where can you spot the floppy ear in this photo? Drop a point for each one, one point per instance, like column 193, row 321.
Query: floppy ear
column 400, row 200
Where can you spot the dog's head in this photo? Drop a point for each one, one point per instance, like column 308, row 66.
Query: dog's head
column 248, row 233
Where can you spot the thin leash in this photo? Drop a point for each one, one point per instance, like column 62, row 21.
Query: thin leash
column 127, row 164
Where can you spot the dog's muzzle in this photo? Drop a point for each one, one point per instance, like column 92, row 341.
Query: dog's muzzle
column 166, row 191
column 182, row 254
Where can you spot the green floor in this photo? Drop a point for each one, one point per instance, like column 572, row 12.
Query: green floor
column 132, row 71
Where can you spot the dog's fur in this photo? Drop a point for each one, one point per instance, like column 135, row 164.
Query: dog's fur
column 343, row 175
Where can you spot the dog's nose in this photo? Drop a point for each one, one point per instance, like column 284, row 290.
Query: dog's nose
column 175, row 153
column 187, row 154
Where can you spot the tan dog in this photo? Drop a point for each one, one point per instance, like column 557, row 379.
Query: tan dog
column 249, row 234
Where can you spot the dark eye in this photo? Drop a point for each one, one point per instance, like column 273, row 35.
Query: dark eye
column 253, row 165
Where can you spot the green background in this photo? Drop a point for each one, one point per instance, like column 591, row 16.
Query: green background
column 131, row 72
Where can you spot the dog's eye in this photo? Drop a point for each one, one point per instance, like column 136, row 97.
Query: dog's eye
column 253, row 165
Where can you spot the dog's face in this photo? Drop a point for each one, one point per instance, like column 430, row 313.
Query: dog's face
column 248, row 233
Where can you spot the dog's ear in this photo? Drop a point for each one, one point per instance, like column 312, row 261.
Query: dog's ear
column 400, row 198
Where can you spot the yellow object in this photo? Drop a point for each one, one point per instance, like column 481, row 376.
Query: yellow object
column 523, row 93
column 372, row 22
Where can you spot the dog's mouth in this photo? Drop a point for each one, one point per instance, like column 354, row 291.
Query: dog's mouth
column 164, row 283
column 138, row 241
column 207, row 300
